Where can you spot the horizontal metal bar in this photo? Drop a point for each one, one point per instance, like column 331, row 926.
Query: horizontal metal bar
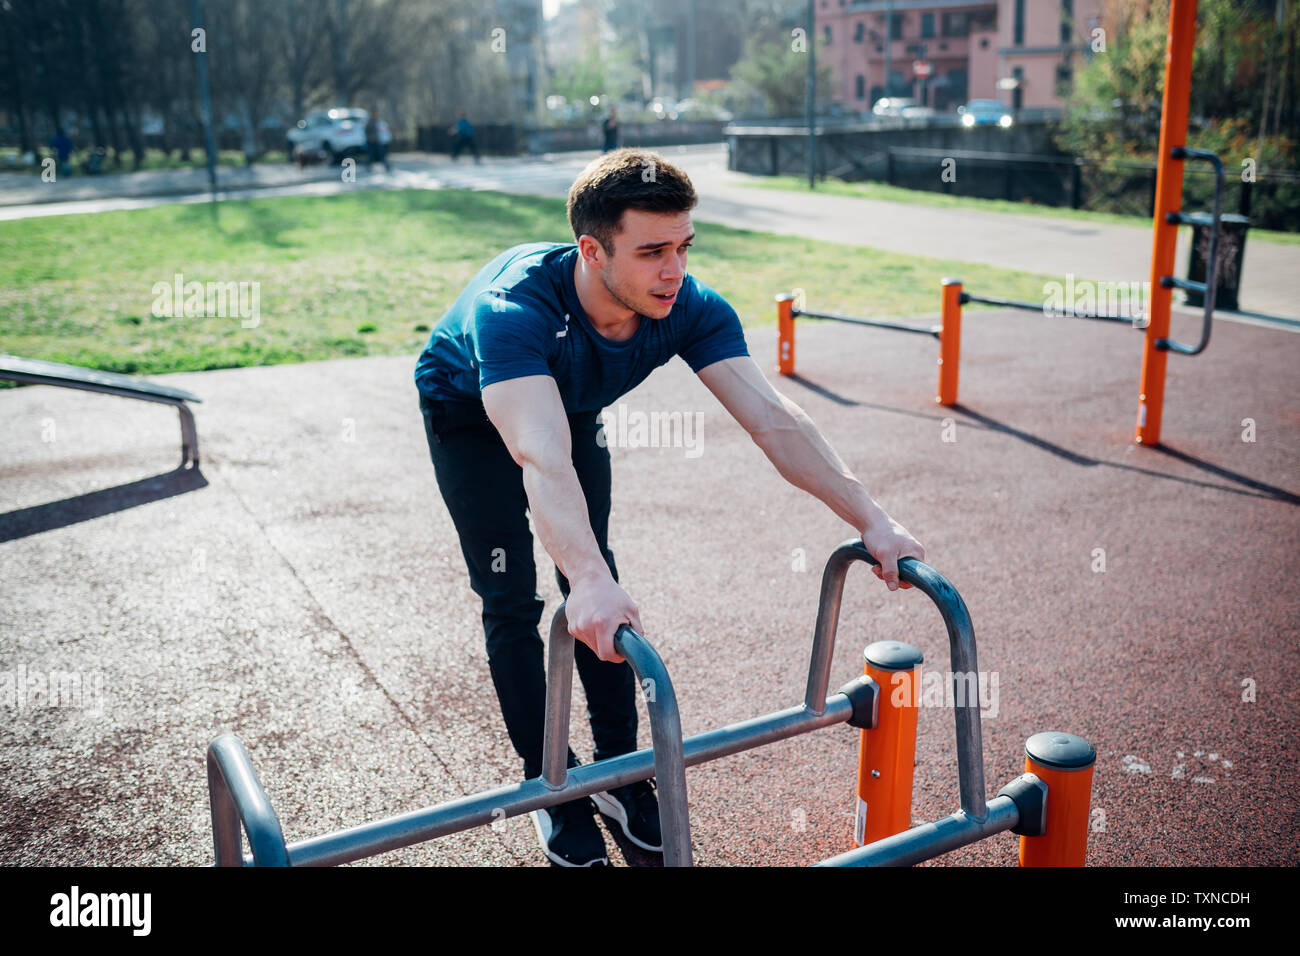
column 1173, row 282
column 1040, row 307
column 932, row 839
column 933, row 330
column 418, row 826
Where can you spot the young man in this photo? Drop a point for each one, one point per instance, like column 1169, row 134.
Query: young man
column 512, row 383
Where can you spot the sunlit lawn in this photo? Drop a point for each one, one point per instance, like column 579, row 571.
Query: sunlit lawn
column 369, row 274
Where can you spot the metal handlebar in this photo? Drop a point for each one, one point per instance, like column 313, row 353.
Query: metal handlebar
column 961, row 639
column 236, row 795
column 665, row 728
column 1211, row 282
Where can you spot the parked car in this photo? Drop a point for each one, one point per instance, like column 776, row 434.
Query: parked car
column 695, row 109
column 892, row 105
column 338, row 132
column 985, row 113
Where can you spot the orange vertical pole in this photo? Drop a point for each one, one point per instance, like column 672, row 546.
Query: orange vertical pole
column 785, row 333
column 887, row 753
column 1065, row 763
column 950, row 343
column 1169, row 198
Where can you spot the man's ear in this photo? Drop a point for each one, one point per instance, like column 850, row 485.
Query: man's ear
column 591, row 250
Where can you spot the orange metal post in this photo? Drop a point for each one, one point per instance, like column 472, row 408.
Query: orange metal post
column 1169, row 198
column 785, row 333
column 887, row 754
column 1065, row 763
column 950, row 343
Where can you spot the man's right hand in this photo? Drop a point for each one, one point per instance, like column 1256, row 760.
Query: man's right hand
column 597, row 606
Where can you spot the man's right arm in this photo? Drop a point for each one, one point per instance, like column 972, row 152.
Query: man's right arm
column 529, row 414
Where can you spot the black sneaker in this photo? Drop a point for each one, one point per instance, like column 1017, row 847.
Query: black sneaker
column 569, row 835
column 636, row 809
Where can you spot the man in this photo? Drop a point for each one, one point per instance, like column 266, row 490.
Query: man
column 377, row 140
column 464, row 133
column 610, row 129
column 511, row 385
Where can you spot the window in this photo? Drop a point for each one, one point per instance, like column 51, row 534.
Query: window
column 1064, row 79
column 1067, row 20
column 956, row 24
column 895, row 26
column 1019, row 39
column 828, row 34
column 859, row 86
column 927, row 25
column 859, row 30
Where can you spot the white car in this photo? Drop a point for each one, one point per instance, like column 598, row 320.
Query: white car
column 892, row 105
column 339, row 132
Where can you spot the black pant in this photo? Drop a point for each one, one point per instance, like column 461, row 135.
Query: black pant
column 461, row 143
column 484, row 492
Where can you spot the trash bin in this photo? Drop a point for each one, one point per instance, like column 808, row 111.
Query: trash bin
column 1231, row 251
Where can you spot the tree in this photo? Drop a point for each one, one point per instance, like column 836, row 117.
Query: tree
column 778, row 74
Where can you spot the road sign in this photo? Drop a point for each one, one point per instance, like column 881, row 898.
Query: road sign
column 921, row 68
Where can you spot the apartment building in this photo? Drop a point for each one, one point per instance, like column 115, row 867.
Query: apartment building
column 1022, row 52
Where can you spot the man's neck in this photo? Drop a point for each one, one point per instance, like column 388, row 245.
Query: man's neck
column 607, row 316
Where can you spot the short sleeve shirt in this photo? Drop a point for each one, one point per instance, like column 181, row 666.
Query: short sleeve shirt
column 521, row 316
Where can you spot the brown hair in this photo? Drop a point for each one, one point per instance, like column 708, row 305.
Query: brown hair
column 623, row 179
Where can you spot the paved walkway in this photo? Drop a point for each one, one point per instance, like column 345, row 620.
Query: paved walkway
column 307, row 592
column 1040, row 244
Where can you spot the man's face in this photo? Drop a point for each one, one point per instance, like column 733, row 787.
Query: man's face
column 649, row 258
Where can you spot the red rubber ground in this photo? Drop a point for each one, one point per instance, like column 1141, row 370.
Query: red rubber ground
column 310, row 596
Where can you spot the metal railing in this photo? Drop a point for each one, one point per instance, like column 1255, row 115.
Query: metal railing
column 237, row 796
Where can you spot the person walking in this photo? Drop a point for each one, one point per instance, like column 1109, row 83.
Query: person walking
column 610, row 129
column 62, row 147
column 464, row 131
column 511, row 385
column 378, row 137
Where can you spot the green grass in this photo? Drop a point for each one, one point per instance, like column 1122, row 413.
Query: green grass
column 370, row 274
column 873, row 190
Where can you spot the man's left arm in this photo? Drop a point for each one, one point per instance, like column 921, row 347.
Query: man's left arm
column 804, row 458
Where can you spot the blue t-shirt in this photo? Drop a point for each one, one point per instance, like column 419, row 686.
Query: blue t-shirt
column 521, row 316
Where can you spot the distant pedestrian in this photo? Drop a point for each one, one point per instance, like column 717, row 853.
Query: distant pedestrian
column 610, row 127
column 62, row 147
column 464, row 132
column 378, row 136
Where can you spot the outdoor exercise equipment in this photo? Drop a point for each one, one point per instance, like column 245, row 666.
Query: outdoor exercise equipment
column 1047, row 805
column 1168, row 216
column 37, row 372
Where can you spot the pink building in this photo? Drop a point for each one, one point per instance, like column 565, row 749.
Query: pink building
column 1041, row 43
column 1014, row 50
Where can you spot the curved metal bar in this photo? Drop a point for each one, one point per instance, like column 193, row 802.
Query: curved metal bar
column 665, row 728
column 559, row 696
column 1211, row 258
column 236, row 795
column 32, row 372
column 666, row 739
column 961, row 639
